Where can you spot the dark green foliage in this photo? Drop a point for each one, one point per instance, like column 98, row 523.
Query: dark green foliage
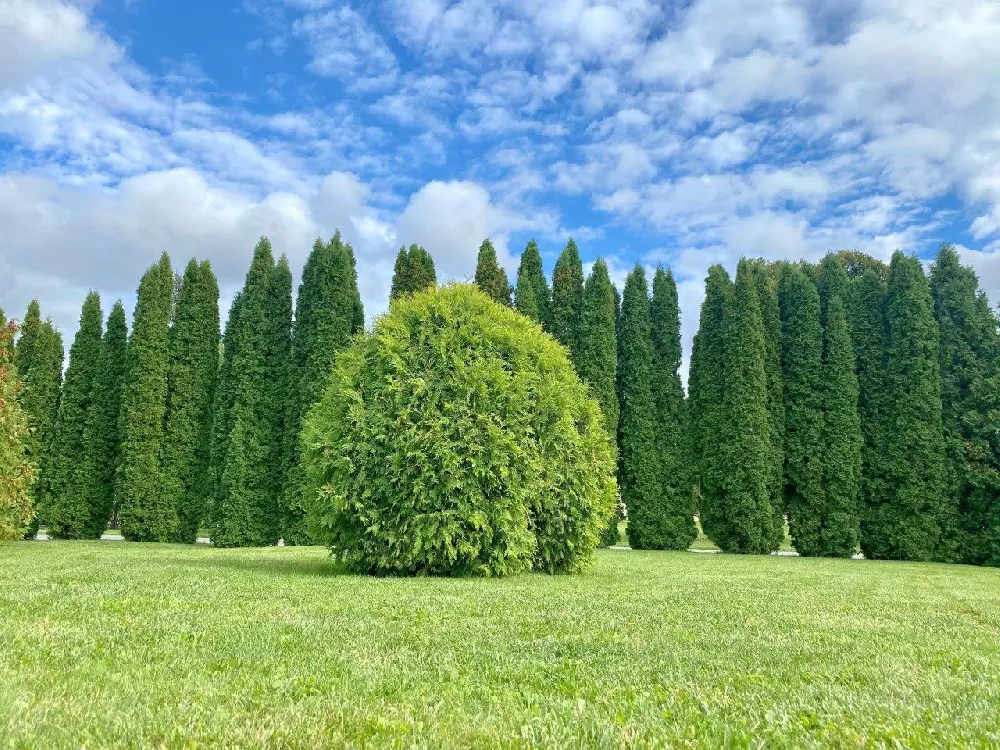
column 102, row 436
column 567, row 300
column 248, row 408
column 746, row 519
column 638, row 463
column 490, row 277
column 17, row 472
column 194, row 364
column 456, row 439
column 532, row 293
column 842, row 441
column 280, row 422
column 325, row 320
column 67, row 510
column 802, row 370
column 908, row 522
column 358, row 316
column 857, row 263
column 707, row 386
column 970, row 398
column 832, row 281
column 674, row 526
column 27, row 342
column 599, row 343
column 146, row 513
column 414, row 272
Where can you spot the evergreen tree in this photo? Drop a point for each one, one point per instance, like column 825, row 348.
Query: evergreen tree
column 970, row 400
column 638, row 471
column 101, row 434
column 908, row 523
column 567, row 300
column 400, row 274
column 245, row 505
column 414, row 271
column 707, row 386
column 841, row 448
column 194, row 361
column 279, row 420
column 358, row 308
column 531, row 285
column 24, row 352
column 68, row 508
column 832, row 281
column 747, row 519
column 16, row 469
column 490, row 277
column 222, row 411
column 802, row 372
column 599, row 343
column 146, row 513
column 674, row 527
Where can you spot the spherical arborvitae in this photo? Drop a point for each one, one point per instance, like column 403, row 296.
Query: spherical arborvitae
column 531, row 297
column 969, row 399
column 567, row 300
column 325, row 320
column 490, row 277
column 907, row 524
column 194, row 364
column 145, row 513
column 748, row 517
column 841, row 448
column 245, row 507
column 102, row 435
column 16, row 468
column 414, row 272
column 638, row 464
column 706, row 386
column 674, row 527
column 67, row 511
column 455, row 439
column 802, row 372
column 766, row 277
column 866, row 315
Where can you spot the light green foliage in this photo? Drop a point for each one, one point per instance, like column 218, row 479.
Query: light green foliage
column 456, row 439
column 102, row 433
column 16, row 469
column 67, row 510
column 414, row 272
column 566, row 310
column 146, row 513
column 532, row 293
column 194, row 364
column 490, row 277
column 674, row 526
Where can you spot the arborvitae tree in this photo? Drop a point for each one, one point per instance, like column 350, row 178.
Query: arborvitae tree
column 358, row 316
column 841, row 448
column 857, row 263
column 802, row 372
column 831, row 281
column 532, row 293
column 414, row 271
column 490, row 277
column 674, row 527
column 908, row 523
column 599, row 343
column 747, row 519
column 222, row 411
column 24, row 352
column 766, row 279
column 146, row 513
column 194, row 364
column 567, row 300
column 68, row 511
column 278, row 385
column 325, row 320
column 970, row 399
column 101, row 435
column 245, row 506
column 866, row 314
column 639, row 471
column 707, row 386
column 16, row 468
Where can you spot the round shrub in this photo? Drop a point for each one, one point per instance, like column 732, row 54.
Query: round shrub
column 456, row 439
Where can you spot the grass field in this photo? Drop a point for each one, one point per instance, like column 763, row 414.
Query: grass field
column 116, row 644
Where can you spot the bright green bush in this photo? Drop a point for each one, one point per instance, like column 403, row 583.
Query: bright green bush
column 456, row 439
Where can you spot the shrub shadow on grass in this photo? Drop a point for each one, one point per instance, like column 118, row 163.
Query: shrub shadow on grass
column 275, row 566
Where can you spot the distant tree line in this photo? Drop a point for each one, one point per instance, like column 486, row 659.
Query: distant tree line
column 855, row 399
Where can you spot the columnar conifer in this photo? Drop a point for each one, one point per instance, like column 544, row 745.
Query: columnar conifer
column 490, row 277
column 146, row 514
column 599, row 344
column 16, row 468
column 279, row 383
column 67, row 510
column 567, row 300
column 414, row 271
column 194, row 361
column 532, row 293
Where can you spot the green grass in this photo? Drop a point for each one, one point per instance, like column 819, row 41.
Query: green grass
column 158, row 645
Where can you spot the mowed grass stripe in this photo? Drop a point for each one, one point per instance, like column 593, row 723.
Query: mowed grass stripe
column 144, row 645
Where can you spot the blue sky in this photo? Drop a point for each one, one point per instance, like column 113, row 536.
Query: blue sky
column 687, row 133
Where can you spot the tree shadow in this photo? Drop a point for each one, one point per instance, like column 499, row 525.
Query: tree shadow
column 281, row 567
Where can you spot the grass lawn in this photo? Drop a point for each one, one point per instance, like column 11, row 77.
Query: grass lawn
column 145, row 645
